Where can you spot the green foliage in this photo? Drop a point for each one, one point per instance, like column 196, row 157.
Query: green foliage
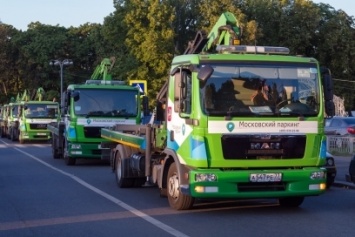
column 150, row 40
column 144, row 35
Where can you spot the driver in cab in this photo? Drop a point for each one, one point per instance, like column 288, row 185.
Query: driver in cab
column 262, row 96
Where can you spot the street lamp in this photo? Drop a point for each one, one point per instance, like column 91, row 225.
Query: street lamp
column 61, row 64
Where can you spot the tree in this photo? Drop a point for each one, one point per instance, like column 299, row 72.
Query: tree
column 336, row 49
column 9, row 60
column 150, row 39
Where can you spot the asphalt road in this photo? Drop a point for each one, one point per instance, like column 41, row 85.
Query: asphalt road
column 41, row 196
column 342, row 166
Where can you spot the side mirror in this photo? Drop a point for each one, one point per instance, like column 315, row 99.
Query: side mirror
column 328, row 93
column 205, row 72
column 75, row 95
column 179, row 91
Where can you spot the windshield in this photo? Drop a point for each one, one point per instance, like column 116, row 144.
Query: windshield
column 106, row 103
column 15, row 109
column 41, row 110
column 262, row 89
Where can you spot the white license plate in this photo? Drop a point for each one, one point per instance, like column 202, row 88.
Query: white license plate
column 266, row 177
column 41, row 134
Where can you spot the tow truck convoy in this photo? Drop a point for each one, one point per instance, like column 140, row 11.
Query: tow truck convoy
column 209, row 140
column 88, row 107
column 10, row 118
column 26, row 119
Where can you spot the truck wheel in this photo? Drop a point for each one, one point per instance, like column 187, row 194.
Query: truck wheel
column 55, row 153
column 67, row 159
column 291, row 201
column 12, row 135
column 122, row 182
column 177, row 199
column 8, row 133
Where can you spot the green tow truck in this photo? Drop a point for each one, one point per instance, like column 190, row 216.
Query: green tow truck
column 11, row 125
column 28, row 117
column 210, row 137
column 99, row 102
column 3, row 120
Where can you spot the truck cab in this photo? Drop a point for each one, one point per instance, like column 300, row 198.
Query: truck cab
column 3, row 120
column 13, row 120
column 33, row 120
column 87, row 108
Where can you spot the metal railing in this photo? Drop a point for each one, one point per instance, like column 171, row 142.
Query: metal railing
column 340, row 145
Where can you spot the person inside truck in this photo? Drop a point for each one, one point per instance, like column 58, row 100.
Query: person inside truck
column 262, row 96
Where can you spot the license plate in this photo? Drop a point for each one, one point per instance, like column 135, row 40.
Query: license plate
column 266, row 177
column 41, row 134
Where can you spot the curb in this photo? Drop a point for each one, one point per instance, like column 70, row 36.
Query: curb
column 342, row 184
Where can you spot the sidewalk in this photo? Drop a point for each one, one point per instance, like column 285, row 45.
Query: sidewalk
column 342, row 166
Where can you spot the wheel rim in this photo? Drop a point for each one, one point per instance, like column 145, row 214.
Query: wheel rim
column 173, row 186
column 118, row 169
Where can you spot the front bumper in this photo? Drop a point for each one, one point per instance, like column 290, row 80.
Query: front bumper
column 87, row 151
column 237, row 184
column 35, row 135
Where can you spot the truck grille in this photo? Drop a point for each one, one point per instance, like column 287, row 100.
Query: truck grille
column 261, row 187
column 38, row 126
column 243, row 147
column 92, row 132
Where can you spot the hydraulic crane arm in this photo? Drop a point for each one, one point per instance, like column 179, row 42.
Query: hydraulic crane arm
column 225, row 32
column 102, row 70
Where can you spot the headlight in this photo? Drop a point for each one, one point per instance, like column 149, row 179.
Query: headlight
column 75, row 146
column 317, row 175
column 205, row 177
column 23, row 127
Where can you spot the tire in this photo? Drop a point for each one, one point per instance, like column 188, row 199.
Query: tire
column 8, row 133
column 67, row 159
column 177, row 199
column 1, row 132
column 12, row 135
column 291, row 201
column 120, row 165
column 55, row 153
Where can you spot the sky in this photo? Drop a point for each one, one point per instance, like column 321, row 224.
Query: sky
column 347, row 6
column 20, row 13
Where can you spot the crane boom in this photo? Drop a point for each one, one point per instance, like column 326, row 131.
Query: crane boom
column 225, row 32
column 102, row 70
